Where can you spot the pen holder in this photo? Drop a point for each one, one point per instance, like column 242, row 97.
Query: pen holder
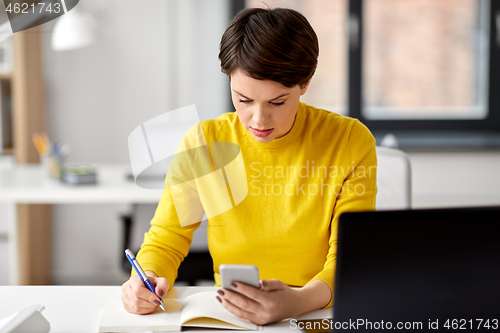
column 52, row 165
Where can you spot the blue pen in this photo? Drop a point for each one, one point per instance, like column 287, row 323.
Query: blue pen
column 142, row 275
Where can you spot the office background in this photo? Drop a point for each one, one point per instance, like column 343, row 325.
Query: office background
column 154, row 56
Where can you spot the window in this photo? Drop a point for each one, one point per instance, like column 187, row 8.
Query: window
column 425, row 59
column 421, row 69
column 425, row 70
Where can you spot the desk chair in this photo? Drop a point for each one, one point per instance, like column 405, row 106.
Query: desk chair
column 393, row 179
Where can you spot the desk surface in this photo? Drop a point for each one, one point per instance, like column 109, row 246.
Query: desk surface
column 78, row 308
column 27, row 184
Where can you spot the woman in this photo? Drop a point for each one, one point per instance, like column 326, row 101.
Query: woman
column 304, row 167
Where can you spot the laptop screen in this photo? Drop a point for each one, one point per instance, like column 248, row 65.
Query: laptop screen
column 439, row 268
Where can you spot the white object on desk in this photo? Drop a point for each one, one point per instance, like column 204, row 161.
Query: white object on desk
column 29, row 320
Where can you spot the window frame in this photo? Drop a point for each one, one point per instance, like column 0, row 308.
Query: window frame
column 488, row 125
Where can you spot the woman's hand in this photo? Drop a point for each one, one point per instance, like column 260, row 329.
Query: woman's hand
column 274, row 300
column 138, row 299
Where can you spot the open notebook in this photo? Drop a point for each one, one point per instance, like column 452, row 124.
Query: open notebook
column 191, row 309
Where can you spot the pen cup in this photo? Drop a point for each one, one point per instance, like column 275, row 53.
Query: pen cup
column 52, row 165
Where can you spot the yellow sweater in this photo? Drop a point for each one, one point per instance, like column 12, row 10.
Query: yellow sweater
column 298, row 185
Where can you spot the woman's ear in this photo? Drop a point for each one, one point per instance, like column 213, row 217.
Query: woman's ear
column 304, row 87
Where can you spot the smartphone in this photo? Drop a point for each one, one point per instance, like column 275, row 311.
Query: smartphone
column 247, row 274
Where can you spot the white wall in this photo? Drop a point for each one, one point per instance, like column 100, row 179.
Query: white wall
column 151, row 57
column 455, row 179
column 148, row 60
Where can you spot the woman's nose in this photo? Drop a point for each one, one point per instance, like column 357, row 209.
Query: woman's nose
column 260, row 117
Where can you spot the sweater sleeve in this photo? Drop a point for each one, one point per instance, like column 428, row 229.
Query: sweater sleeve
column 179, row 212
column 358, row 191
column 166, row 244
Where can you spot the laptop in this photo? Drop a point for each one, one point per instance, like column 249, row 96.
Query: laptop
column 418, row 270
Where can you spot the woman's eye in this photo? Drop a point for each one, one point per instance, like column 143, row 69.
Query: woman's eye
column 273, row 103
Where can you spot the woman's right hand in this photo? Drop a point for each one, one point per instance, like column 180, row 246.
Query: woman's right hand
column 138, row 299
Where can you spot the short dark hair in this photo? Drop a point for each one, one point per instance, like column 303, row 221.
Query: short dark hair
column 275, row 44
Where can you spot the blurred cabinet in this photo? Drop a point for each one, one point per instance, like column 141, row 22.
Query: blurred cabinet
column 6, row 121
column 23, row 103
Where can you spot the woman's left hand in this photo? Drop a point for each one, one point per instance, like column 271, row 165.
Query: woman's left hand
column 273, row 302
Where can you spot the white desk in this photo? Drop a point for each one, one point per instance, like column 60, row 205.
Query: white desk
column 26, row 184
column 78, row 309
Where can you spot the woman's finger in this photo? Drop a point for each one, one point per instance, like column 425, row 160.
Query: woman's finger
column 132, row 303
column 242, row 302
column 238, row 311
column 138, row 306
column 139, row 291
column 161, row 285
column 246, row 290
column 271, row 285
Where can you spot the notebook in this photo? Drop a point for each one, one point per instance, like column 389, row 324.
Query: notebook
column 437, row 267
column 191, row 309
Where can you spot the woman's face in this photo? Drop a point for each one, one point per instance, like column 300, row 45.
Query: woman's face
column 266, row 109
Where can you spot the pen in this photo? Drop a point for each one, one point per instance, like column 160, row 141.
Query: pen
column 142, row 275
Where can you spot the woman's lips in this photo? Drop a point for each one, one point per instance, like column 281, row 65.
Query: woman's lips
column 261, row 133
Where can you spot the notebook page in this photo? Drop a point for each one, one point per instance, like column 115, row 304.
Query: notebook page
column 204, row 305
column 116, row 319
